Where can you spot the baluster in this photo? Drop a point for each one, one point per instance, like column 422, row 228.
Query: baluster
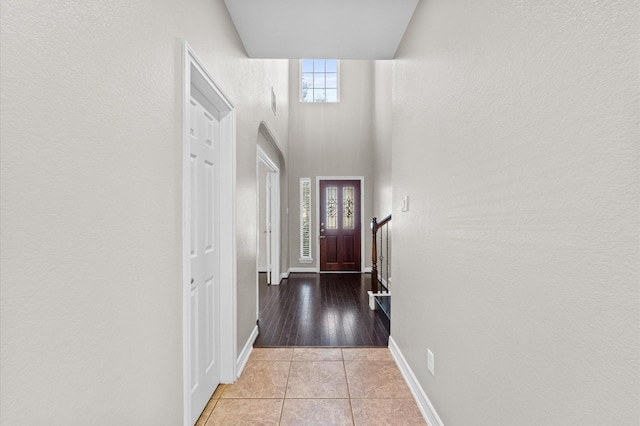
column 374, row 256
column 387, row 268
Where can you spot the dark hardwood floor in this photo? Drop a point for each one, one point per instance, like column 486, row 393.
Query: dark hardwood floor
column 319, row 310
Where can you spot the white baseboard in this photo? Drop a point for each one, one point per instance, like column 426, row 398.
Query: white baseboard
column 303, row 269
column 262, row 269
column 383, row 281
column 285, row 275
column 246, row 351
column 421, row 398
column 313, row 270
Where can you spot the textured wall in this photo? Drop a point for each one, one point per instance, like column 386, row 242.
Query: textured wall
column 333, row 139
column 382, row 133
column 91, row 324
column 516, row 136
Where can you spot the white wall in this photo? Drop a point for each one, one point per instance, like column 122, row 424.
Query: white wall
column 382, row 134
column 332, row 139
column 516, row 136
column 91, row 310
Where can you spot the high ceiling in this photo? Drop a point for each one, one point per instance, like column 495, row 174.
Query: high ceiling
column 340, row 29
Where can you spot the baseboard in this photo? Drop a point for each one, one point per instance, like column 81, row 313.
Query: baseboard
column 383, row 281
column 285, row 275
column 262, row 269
column 312, row 270
column 421, row 398
column 246, row 351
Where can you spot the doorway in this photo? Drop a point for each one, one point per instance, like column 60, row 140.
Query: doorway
column 340, row 225
column 268, row 217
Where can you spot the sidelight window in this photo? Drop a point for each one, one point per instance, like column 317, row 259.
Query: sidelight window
column 305, row 220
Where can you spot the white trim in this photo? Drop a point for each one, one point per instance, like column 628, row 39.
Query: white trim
column 304, row 270
column 285, row 275
column 367, row 270
column 362, row 227
column 424, row 404
column 202, row 79
column 241, row 362
column 262, row 269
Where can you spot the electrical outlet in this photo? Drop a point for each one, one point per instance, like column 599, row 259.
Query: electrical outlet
column 431, row 366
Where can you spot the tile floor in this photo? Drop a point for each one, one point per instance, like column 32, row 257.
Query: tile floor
column 315, row 386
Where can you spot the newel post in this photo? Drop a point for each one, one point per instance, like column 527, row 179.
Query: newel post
column 374, row 256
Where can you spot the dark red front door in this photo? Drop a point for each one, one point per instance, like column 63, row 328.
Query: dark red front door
column 340, row 225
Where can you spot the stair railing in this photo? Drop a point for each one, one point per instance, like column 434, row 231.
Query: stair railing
column 379, row 229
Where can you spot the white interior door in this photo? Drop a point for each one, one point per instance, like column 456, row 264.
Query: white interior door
column 205, row 255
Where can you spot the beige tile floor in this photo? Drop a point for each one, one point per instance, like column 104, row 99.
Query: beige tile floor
column 315, row 386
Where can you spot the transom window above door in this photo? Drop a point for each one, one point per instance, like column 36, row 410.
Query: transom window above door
column 319, row 80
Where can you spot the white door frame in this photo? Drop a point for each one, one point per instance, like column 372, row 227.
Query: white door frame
column 196, row 75
column 362, row 223
column 274, row 214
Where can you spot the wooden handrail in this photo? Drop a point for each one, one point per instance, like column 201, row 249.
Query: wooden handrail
column 382, row 222
column 375, row 225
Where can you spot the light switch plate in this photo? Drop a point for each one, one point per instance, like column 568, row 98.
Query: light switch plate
column 405, row 204
column 431, row 362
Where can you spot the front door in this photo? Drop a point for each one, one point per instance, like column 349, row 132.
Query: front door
column 205, row 284
column 340, row 225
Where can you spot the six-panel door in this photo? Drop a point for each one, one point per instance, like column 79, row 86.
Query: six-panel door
column 205, row 256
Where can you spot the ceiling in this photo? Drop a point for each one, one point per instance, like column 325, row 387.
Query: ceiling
column 336, row 29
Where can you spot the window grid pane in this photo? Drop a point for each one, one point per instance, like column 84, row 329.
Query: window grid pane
column 347, row 208
column 331, row 79
column 332, row 207
column 307, row 65
column 319, row 81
